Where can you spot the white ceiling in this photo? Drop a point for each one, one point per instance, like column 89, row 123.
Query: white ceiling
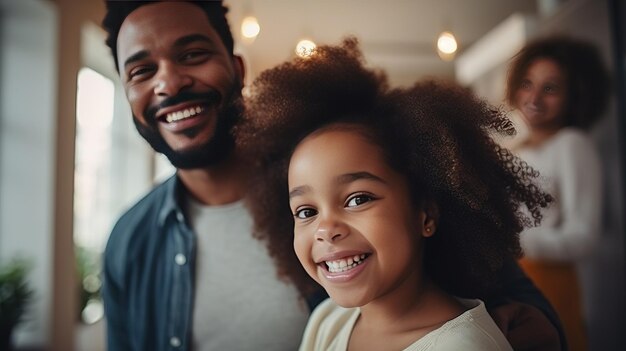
column 397, row 35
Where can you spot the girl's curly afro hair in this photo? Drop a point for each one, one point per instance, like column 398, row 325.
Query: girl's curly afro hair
column 435, row 133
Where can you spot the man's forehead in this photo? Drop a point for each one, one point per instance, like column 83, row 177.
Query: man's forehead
column 160, row 22
column 165, row 16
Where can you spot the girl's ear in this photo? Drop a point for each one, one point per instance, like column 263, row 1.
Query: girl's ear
column 430, row 218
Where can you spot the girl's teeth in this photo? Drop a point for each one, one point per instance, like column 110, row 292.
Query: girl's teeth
column 344, row 264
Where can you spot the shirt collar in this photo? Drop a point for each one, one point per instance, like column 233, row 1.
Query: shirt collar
column 171, row 203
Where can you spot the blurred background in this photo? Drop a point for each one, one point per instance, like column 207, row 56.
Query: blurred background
column 71, row 161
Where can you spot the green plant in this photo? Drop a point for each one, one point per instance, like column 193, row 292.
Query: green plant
column 15, row 295
column 88, row 267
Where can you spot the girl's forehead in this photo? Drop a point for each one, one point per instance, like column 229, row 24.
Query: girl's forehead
column 344, row 135
column 348, row 128
column 337, row 149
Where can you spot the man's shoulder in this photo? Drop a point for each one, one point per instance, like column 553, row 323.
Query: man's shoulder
column 150, row 204
column 141, row 216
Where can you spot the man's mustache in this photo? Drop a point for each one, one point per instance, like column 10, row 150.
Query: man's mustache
column 211, row 97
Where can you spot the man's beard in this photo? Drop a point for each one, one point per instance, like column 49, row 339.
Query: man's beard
column 213, row 151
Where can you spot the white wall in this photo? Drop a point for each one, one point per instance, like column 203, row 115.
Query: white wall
column 28, row 66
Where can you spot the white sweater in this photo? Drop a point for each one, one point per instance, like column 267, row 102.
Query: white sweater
column 571, row 172
column 330, row 327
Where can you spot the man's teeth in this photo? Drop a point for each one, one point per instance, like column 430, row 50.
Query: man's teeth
column 178, row 115
column 345, row 264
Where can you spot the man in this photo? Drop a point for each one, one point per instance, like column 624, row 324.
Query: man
column 182, row 270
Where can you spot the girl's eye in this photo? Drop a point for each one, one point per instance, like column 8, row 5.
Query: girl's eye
column 305, row 213
column 358, row 200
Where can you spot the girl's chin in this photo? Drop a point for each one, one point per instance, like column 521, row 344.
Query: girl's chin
column 346, row 300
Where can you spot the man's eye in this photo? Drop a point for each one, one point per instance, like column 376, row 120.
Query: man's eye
column 305, row 213
column 359, row 199
column 139, row 72
column 194, row 56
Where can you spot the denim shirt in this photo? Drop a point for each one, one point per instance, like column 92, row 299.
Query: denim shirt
column 148, row 272
column 148, row 275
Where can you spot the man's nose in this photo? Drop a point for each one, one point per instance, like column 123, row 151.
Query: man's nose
column 171, row 80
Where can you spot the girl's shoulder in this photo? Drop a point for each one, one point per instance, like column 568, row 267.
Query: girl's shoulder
column 330, row 317
column 329, row 327
column 473, row 330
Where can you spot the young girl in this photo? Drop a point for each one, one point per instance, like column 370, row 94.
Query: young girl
column 560, row 87
column 401, row 203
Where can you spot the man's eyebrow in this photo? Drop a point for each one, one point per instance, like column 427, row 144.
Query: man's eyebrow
column 298, row 191
column 182, row 41
column 351, row 177
column 136, row 57
column 188, row 39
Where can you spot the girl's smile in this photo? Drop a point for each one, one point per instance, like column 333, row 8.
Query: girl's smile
column 343, row 269
column 356, row 231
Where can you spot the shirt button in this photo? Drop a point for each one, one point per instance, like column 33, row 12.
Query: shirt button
column 174, row 341
column 180, row 217
column 180, row 259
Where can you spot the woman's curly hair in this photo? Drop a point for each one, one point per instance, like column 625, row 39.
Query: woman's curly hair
column 588, row 81
column 436, row 134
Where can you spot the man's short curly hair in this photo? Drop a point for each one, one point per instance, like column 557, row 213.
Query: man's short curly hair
column 436, row 134
column 588, row 81
column 118, row 10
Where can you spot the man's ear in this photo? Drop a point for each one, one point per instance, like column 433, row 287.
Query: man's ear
column 430, row 218
column 240, row 68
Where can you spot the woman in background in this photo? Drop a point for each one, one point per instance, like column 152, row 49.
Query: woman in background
column 560, row 87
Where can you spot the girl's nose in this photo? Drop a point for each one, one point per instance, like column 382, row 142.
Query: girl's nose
column 331, row 230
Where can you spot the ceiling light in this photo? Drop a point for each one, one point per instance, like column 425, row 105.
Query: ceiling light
column 446, row 45
column 250, row 27
column 305, row 48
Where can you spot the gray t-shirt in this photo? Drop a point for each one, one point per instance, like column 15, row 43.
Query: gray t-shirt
column 239, row 302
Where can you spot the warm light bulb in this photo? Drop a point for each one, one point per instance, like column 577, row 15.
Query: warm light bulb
column 250, row 27
column 447, row 43
column 305, row 48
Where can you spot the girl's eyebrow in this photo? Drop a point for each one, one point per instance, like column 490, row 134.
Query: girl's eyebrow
column 298, row 191
column 342, row 179
column 351, row 177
